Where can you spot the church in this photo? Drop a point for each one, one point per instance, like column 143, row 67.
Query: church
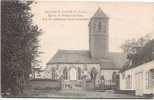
column 97, row 65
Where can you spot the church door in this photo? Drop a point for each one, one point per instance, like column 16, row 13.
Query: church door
column 73, row 74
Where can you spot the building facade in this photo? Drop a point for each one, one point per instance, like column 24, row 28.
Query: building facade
column 138, row 73
column 97, row 65
column 139, row 78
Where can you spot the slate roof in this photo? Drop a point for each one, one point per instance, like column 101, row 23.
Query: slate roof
column 72, row 56
column 114, row 61
column 119, row 59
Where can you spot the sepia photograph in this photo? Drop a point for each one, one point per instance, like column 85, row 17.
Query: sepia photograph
column 77, row 49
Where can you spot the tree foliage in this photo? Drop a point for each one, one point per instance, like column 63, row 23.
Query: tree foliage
column 19, row 44
column 93, row 75
column 138, row 51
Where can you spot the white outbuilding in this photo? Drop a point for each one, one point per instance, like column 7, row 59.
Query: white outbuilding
column 139, row 78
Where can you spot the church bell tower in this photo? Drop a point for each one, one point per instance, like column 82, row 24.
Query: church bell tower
column 98, row 35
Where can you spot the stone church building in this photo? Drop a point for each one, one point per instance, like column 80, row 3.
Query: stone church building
column 74, row 67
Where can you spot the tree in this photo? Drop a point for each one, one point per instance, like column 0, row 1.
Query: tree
column 138, row 51
column 93, row 75
column 65, row 73
column 102, row 79
column 19, row 44
column 130, row 45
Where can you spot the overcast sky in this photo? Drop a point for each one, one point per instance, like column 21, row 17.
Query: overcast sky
column 126, row 21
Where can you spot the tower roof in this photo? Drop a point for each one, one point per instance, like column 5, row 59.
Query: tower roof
column 100, row 14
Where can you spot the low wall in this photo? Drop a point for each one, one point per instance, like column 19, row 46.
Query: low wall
column 88, row 85
column 130, row 92
column 45, row 84
column 72, row 84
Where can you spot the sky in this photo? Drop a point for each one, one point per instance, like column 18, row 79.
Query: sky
column 65, row 24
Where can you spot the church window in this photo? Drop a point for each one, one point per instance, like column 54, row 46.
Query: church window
column 79, row 73
column 94, row 27
column 65, row 74
column 104, row 28
column 73, row 74
column 53, row 74
column 99, row 26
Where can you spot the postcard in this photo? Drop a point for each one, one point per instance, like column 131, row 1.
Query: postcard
column 77, row 49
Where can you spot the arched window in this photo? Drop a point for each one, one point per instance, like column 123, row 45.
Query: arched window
column 53, row 73
column 79, row 73
column 65, row 73
column 99, row 26
column 94, row 26
column 73, row 74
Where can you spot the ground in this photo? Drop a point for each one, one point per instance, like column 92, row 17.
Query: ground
column 75, row 94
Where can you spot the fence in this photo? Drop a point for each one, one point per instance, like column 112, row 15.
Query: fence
column 106, row 85
column 88, row 85
column 45, row 84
